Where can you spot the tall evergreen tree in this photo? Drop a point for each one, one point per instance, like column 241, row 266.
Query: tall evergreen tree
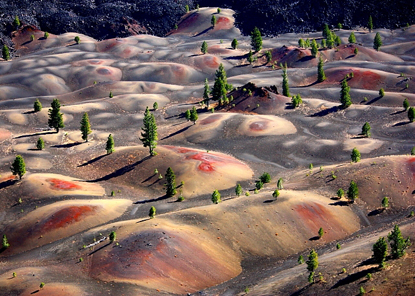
column 353, row 192
column 355, row 155
column 250, row 58
column 256, row 39
column 37, row 106
column 366, row 129
column 204, row 47
column 234, row 43
column 321, row 76
column 149, row 132
column 152, row 212
column 171, row 182
column 18, row 167
column 352, row 38
column 85, row 127
column 326, row 31
column 213, row 21
column 193, row 115
column 411, row 114
column 377, row 42
column 5, row 242
column 380, row 251
column 285, row 87
column 268, row 54
column 40, row 144
column 279, row 184
column 314, row 48
column 301, row 43
column 238, row 189
column 370, row 24
column 6, row 52
column 55, row 116
column 206, row 92
column 216, row 197
column 312, row 264
column 221, row 86
column 406, row 104
column 397, row 242
column 110, row 144
column 345, row 99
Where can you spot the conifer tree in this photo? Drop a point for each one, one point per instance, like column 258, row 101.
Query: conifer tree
column 16, row 22
column 204, row 47
column 377, row 42
column 238, row 189
column 221, row 86
column 312, row 264
column 301, row 43
column 353, row 192
column 37, row 106
column 366, row 130
column 321, row 76
column 5, row 242
column 256, row 39
column 40, row 144
column 110, row 144
column 216, row 197
column 152, row 212
column 380, row 251
column 337, row 40
column 339, row 26
column 77, row 39
column 352, row 38
column 370, row 24
column 355, row 155
column 193, row 115
column 55, row 116
column 213, row 21
column 250, row 58
column 269, row 56
column 276, row 193
column 345, row 99
column 187, row 115
column 385, row 202
column 171, row 182
column 155, row 106
column 397, row 243
column 279, row 184
column 355, row 51
column 206, row 92
column 326, row 31
column 149, row 132
column 18, row 167
column 340, row 193
column 314, row 48
column 411, row 114
column 6, row 52
column 234, row 43
column 320, row 232
column 46, row 35
column 112, row 236
column 406, row 104
column 285, row 87
column 85, row 127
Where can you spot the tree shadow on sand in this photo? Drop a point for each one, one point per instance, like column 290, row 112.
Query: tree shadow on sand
column 374, row 100
column 120, row 171
column 204, row 31
column 177, row 132
column 398, row 112
column 99, row 249
column 7, row 183
column 376, row 212
column 69, row 145
column 354, row 277
column 35, row 134
column 401, row 123
column 92, row 160
column 326, row 112
column 341, row 203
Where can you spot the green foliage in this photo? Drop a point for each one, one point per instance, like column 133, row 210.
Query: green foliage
column 338, row 246
column 250, row 57
column 269, row 56
column 213, row 21
column 265, row 178
column 14, row 274
column 186, row 7
column 406, row 104
column 110, row 95
column 206, row 92
column 385, row 202
column 307, row 43
column 113, row 236
column 42, row 284
column 77, row 39
column 301, row 43
column 339, row 26
column 37, row 106
column 216, row 197
column 180, row 198
column 204, row 47
column 326, row 31
column 259, row 184
column 320, row 232
column 279, row 184
column 6, row 52
column 46, row 35
column 366, row 129
column 256, row 39
column 344, row 270
column 381, row 92
column 85, row 127
column 234, row 43
column 377, row 42
column 218, row 10
column 369, row 276
column 331, row 40
column 112, row 193
column 296, row 100
column 362, row 291
column 323, row 43
column 55, row 116
column 397, row 243
column 187, row 115
column 193, row 115
column 340, row 193
column 5, row 242
column 311, row 277
column 312, row 262
column 16, row 22
column 321, row 76
column 413, row 151
column 345, row 98
column 300, row 259
column 352, row 192
column 370, row 24
column 149, row 132
column 356, row 50
column 337, row 40
column 238, row 189
column 155, row 106
column 310, row 166
column 40, row 144
column 152, row 212
column 171, row 182
column 355, row 155
column 352, row 38
column 411, row 114
column 110, row 144
column 221, row 86
column 276, row 193
column 285, row 86
column 314, row 48
column 411, row 214
column 32, row 37
column 18, row 167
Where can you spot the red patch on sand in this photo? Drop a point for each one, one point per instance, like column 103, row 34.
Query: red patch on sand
column 211, row 62
column 58, row 184
column 210, row 119
column 258, row 126
column 313, row 215
column 411, row 163
column 67, row 216
column 178, row 71
column 365, row 79
column 8, row 178
column 223, row 23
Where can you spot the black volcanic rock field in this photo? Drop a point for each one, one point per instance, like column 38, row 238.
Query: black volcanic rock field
column 74, row 196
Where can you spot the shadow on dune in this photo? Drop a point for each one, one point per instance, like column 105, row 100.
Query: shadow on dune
column 7, row 183
column 35, row 134
column 177, row 132
column 99, row 249
column 34, row 292
column 369, row 261
column 92, row 160
column 120, row 171
column 314, row 238
column 29, row 112
column 401, row 123
column 203, row 32
column 326, row 112
column 151, row 200
column 374, row 100
column 376, row 212
column 341, row 203
column 398, row 112
column 354, row 277
column 269, row 201
column 67, row 145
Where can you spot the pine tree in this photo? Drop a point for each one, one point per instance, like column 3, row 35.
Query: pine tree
column 187, row 115
column 37, row 106
column 16, row 22
column 337, row 40
column 406, row 104
column 46, row 35
column 352, row 38
column 296, row 100
column 355, row 155
column 314, row 48
column 380, row 251
column 345, row 99
column 321, row 76
column 256, row 39
column 234, row 43
column 339, row 26
column 326, row 31
column 221, row 86
column 323, row 43
column 377, row 42
column 110, row 144
column 6, row 52
column 411, row 114
column 152, row 212
column 301, row 43
column 355, row 51
column 370, row 24
column 193, row 115
column 276, row 193
column 320, row 232
column 40, row 144
column 340, row 193
column 204, row 47
column 85, row 127
column 269, row 56
column 149, row 132
column 155, row 106
column 330, row 40
column 385, row 202
column 397, row 242
column 171, row 182
column 112, row 236
column 213, row 21
column 279, row 184
column 285, row 87
column 250, row 58
column 381, row 92
column 307, row 43
column 77, row 39
column 32, row 37
column 5, row 242
column 206, row 92
column 300, row 259
column 238, row 189
column 216, row 197
column 312, row 263
column 55, row 116
column 18, row 167
column 186, row 7
column 353, row 192
column 366, row 130
column 265, row 177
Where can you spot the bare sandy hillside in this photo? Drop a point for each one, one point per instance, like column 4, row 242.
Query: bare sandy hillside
column 58, row 218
